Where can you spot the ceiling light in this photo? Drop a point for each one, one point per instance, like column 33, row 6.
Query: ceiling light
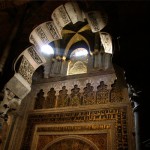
column 47, row 49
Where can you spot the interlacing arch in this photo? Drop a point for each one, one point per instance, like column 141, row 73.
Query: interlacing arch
column 45, row 34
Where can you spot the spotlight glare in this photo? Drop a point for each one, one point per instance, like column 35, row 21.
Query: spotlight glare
column 81, row 53
column 47, row 49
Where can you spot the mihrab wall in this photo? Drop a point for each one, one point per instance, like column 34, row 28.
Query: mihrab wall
column 89, row 113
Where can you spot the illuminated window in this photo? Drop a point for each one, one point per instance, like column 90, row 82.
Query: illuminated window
column 78, row 62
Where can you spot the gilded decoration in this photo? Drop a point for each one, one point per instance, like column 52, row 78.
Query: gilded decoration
column 78, row 67
column 102, row 94
column 26, row 70
column 82, row 142
column 88, row 95
column 78, row 97
column 117, row 115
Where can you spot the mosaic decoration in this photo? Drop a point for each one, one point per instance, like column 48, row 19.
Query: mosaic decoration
column 82, row 142
column 26, row 70
column 78, row 68
column 118, row 115
column 34, row 55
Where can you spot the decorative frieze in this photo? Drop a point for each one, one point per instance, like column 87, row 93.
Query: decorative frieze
column 81, row 92
column 96, row 20
column 116, row 115
column 42, row 35
column 34, row 55
column 74, row 12
column 53, row 31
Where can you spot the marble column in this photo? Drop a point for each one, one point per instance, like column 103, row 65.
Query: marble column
column 135, row 98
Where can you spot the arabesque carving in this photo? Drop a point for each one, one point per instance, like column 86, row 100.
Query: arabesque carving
column 26, row 70
column 75, row 97
column 88, row 95
column 102, row 94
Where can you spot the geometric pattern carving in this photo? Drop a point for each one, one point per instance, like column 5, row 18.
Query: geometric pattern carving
column 88, row 95
column 75, row 97
column 52, row 29
column 34, row 55
column 102, row 94
column 118, row 115
column 26, row 70
column 115, row 93
column 73, row 143
column 70, row 144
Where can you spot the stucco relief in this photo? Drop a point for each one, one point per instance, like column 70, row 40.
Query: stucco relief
column 84, row 91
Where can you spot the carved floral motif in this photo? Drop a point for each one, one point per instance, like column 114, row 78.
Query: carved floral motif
column 26, row 70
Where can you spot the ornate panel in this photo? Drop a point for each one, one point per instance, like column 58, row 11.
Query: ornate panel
column 75, row 97
column 26, row 70
column 52, row 29
column 116, row 94
column 105, row 115
column 42, row 35
column 102, row 94
column 88, row 95
column 63, row 98
column 64, row 142
column 34, row 55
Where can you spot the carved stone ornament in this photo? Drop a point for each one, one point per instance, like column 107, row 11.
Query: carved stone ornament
column 26, row 70
column 106, row 41
column 21, row 88
column 61, row 16
column 74, row 12
column 96, row 20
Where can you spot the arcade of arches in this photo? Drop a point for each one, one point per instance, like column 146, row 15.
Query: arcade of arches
column 73, row 97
